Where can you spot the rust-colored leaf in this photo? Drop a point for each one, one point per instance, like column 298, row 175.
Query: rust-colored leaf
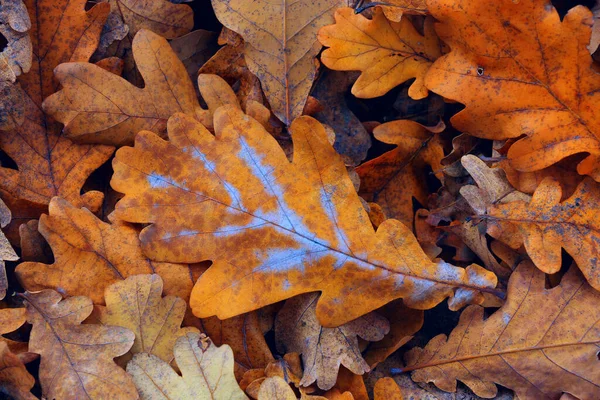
column 206, row 372
column 76, row 360
column 274, row 228
column 498, row 54
column 388, row 53
column 324, row 349
column 15, row 381
column 394, row 178
column 387, row 389
column 136, row 304
column 90, row 255
column 49, row 164
column 540, row 343
column 281, row 45
column 545, row 226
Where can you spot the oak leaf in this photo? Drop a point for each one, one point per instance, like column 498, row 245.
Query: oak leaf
column 90, row 255
column 12, row 319
column 206, row 372
column 276, row 387
column 195, row 49
column 7, row 253
column 280, row 45
column 394, row 178
column 48, row 163
column 395, row 9
column 324, row 349
column 387, row 389
column 497, row 55
column 545, row 225
column 388, row 53
column 15, row 381
column 136, row 304
column 274, row 228
column 540, row 343
column 15, row 58
column 76, row 360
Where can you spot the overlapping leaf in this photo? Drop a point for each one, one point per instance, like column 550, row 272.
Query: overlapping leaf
column 324, row 349
column 90, row 255
column 388, row 53
column 498, row 54
column 76, row 360
column 15, row 381
column 394, row 9
column 48, row 163
column 541, row 343
column 274, row 229
column 280, row 45
column 545, row 226
column 7, row 253
column 207, row 372
column 15, row 58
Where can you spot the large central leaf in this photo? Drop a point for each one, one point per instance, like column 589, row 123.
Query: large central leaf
column 274, row 229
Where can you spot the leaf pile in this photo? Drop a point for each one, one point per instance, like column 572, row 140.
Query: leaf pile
column 329, row 199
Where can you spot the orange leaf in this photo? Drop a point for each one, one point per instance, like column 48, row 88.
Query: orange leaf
column 324, row 349
column 394, row 178
column 49, row 164
column 280, row 45
column 15, row 58
column 91, row 254
column 387, row 389
column 540, row 343
column 274, row 229
column 499, row 55
column 76, row 360
column 388, row 53
column 394, row 9
column 546, row 226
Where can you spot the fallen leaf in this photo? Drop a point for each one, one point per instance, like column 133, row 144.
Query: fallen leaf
column 49, row 164
column 7, row 253
column 76, row 360
column 394, row 178
column 136, row 304
column 546, row 226
column 277, row 388
column 289, row 368
column 395, row 9
column 15, row 57
column 351, row 383
column 242, row 333
column 195, row 49
column 540, row 343
column 206, row 372
column 281, row 46
column 324, row 349
column 387, row 389
column 160, row 16
column 90, row 255
column 388, row 53
column 114, row 30
column 15, row 381
column 274, row 229
column 33, row 245
column 497, row 55
column 352, row 141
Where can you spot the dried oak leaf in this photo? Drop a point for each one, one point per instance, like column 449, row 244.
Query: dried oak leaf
column 7, row 253
column 160, row 16
column 76, row 360
column 395, row 9
column 394, row 178
column 503, row 49
column 540, row 343
column 12, row 319
column 274, row 228
column 387, row 389
column 15, row 381
column 136, row 304
column 206, row 372
column 15, row 58
column 48, row 163
column 195, row 49
column 545, row 226
column 90, row 255
column 277, row 388
column 281, row 45
column 388, row 53
column 323, row 350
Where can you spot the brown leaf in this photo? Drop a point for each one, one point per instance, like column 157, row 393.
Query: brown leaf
column 387, row 389
column 6, row 251
column 388, row 53
column 15, row 58
column 136, row 304
column 545, row 226
column 207, row 372
column 395, row 9
column 394, row 178
column 281, row 45
column 76, row 360
column 33, row 245
column 195, row 49
column 540, row 343
column 160, row 16
column 15, row 381
column 49, row 164
column 90, row 255
column 323, row 350
column 272, row 228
